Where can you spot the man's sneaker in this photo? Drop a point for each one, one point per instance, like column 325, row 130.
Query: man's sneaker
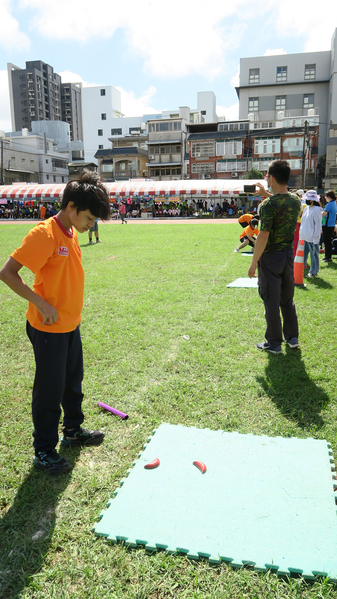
column 236, row 250
column 273, row 350
column 91, row 242
column 293, row 342
column 51, row 462
column 82, row 436
column 99, row 241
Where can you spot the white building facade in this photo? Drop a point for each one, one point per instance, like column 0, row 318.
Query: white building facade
column 101, row 107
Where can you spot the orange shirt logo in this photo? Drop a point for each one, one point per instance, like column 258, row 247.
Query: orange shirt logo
column 63, row 251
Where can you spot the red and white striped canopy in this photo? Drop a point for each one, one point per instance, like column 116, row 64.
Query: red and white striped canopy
column 24, row 191
column 189, row 187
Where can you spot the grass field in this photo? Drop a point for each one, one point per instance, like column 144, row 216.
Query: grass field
column 148, row 286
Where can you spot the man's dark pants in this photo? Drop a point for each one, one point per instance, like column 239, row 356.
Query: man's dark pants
column 58, row 381
column 276, row 289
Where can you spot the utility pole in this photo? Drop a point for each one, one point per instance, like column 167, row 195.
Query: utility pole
column 2, row 163
column 304, row 153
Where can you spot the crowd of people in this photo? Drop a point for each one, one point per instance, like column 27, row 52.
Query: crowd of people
column 31, row 210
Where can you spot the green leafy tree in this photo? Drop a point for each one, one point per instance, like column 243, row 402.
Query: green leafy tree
column 255, row 174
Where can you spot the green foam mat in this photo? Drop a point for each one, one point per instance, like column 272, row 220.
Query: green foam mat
column 267, row 502
column 244, row 282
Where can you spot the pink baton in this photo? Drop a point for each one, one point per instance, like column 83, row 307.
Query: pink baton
column 116, row 412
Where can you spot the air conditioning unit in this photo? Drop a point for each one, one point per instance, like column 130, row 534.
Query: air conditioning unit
column 280, row 115
column 251, row 117
column 311, row 170
column 234, row 175
column 54, row 168
column 311, row 112
column 151, row 157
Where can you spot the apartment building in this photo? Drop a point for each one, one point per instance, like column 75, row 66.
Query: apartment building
column 32, row 158
column 71, row 109
column 37, row 94
column 126, row 159
column 290, row 87
column 229, row 150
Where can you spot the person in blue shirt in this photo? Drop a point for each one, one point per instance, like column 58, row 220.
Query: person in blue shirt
column 329, row 211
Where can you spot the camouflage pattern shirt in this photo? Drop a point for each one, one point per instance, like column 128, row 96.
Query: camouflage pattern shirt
column 278, row 216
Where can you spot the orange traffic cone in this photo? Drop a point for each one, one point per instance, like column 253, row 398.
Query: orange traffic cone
column 299, row 264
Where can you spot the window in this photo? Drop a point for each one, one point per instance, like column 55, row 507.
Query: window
column 203, row 168
column 253, row 104
column 166, row 126
column 102, row 92
column 203, row 112
column 106, row 168
column 100, row 147
column 310, row 71
column 229, row 167
column 132, row 129
column 280, row 103
column 308, row 101
column 292, row 144
column 281, row 73
column 100, row 132
column 254, row 76
column 103, row 116
column 267, row 146
column 228, row 148
column 116, row 131
column 47, row 177
column 203, row 149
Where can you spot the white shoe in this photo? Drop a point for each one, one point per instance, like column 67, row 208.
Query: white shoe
column 236, row 250
column 91, row 242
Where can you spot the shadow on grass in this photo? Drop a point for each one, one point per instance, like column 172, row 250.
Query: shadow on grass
column 296, row 396
column 27, row 527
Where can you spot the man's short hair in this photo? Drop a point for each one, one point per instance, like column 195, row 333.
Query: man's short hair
column 254, row 222
column 331, row 194
column 280, row 170
column 88, row 192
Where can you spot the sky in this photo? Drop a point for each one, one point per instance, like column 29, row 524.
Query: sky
column 158, row 54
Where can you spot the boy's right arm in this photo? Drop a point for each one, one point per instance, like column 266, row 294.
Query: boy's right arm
column 9, row 274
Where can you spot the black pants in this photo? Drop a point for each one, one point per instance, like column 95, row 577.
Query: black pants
column 276, row 289
column 58, row 382
column 327, row 236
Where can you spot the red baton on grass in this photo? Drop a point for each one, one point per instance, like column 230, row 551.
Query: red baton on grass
column 110, row 409
column 201, row 466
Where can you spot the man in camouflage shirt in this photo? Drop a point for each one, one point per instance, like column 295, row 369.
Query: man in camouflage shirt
column 274, row 256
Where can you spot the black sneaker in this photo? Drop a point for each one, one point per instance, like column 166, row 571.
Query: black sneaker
column 293, row 342
column 273, row 350
column 51, row 462
column 81, row 437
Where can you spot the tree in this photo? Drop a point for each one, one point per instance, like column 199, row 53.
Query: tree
column 255, row 174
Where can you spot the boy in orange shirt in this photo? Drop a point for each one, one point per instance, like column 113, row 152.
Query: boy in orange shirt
column 51, row 251
column 247, row 235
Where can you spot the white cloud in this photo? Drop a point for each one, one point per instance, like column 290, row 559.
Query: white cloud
column 300, row 19
column 231, row 113
column 235, row 80
column 179, row 39
column 274, row 52
column 11, row 37
column 5, row 115
column 132, row 106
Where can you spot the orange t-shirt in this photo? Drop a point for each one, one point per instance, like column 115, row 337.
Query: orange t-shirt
column 245, row 218
column 42, row 212
column 249, row 231
column 54, row 256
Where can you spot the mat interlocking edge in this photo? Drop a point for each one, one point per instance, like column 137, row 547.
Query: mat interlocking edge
column 264, row 501
column 244, row 282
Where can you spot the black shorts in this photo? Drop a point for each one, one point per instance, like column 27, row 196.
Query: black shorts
column 249, row 241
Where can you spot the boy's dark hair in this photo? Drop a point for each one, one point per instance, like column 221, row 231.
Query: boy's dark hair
column 280, row 170
column 254, row 222
column 331, row 194
column 88, row 192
